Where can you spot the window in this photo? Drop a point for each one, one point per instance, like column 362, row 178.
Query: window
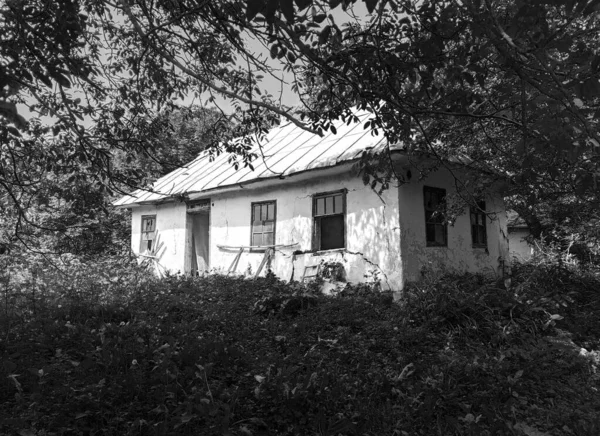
column 148, row 232
column 478, row 224
column 263, row 223
column 436, row 229
column 329, row 212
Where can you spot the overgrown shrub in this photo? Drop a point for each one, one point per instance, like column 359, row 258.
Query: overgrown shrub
column 111, row 350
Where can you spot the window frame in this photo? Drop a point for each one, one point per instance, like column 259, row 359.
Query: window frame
column 274, row 220
column 478, row 211
column 428, row 221
column 144, row 247
column 316, row 233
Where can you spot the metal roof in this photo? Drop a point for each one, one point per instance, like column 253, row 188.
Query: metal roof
column 286, row 150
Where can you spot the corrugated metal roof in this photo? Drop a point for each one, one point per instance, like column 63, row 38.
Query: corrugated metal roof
column 286, row 150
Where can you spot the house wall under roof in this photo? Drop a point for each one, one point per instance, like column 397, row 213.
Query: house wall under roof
column 171, row 234
column 385, row 236
column 520, row 249
column 459, row 254
column 372, row 233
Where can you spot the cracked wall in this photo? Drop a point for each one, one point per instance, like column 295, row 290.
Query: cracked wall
column 372, row 229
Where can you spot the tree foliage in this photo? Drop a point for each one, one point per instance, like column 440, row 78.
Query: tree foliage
column 511, row 84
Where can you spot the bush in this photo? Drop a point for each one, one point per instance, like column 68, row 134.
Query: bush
column 109, row 349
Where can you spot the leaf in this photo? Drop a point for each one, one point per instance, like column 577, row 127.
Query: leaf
column 287, row 7
column 87, row 363
column 186, row 418
column 319, row 18
column 259, row 378
column 9, row 366
column 371, row 5
column 302, row 4
column 253, row 8
column 60, row 79
column 45, row 80
column 324, row 35
column 9, row 110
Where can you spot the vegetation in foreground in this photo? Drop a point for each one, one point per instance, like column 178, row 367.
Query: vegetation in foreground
column 109, row 351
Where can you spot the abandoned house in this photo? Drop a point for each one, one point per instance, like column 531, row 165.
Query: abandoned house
column 304, row 205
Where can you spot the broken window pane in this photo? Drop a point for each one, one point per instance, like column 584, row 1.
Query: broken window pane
column 148, row 232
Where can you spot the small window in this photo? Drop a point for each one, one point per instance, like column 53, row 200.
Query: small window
column 436, row 229
column 478, row 225
column 329, row 212
column 148, row 232
column 263, row 224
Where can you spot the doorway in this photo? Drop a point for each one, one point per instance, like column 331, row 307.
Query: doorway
column 199, row 236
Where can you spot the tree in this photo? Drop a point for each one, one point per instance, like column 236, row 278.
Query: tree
column 508, row 82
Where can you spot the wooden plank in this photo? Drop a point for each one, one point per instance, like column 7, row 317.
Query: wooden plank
column 266, row 258
column 235, row 262
column 255, row 247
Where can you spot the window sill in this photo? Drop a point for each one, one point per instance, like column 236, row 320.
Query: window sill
column 259, row 249
column 437, row 246
column 325, row 252
column 483, row 248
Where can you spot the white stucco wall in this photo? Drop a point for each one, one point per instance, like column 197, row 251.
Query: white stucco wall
column 171, row 232
column 381, row 236
column 372, row 232
column 459, row 255
column 519, row 248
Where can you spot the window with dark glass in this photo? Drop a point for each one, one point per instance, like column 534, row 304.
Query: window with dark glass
column 436, row 229
column 329, row 212
column 263, row 223
column 148, row 232
column 478, row 225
